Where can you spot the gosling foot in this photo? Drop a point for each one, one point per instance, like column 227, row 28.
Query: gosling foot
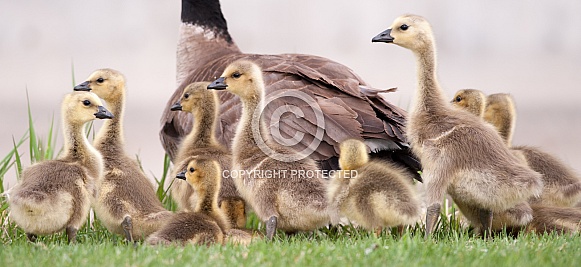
column 271, row 227
column 432, row 216
column 127, row 225
column 72, row 234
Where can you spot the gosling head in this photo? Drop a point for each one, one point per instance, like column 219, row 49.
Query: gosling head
column 82, row 107
column 194, row 95
column 242, row 78
column 471, row 100
column 409, row 31
column 201, row 173
column 353, row 154
column 108, row 84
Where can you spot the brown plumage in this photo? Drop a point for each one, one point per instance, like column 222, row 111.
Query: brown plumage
column 127, row 203
column 288, row 201
column 207, row 224
column 351, row 108
column 55, row 195
column 375, row 193
column 562, row 186
column 201, row 142
column 461, row 154
column 562, row 220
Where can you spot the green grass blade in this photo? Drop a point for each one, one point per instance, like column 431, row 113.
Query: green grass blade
column 49, row 151
column 17, row 159
column 33, row 147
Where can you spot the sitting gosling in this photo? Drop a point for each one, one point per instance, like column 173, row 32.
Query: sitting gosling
column 201, row 142
column 207, row 224
column 127, row 203
column 290, row 202
column 562, row 186
column 461, row 154
column 56, row 194
column 378, row 195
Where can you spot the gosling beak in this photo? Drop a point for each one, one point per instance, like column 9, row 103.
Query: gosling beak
column 83, row 87
column 103, row 113
column 176, row 106
column 181, row 175
column 384, row 36
column 218, row 84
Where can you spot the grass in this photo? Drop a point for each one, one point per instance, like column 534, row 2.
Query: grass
column 339, row 246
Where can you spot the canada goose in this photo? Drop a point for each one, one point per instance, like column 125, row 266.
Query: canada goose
column 56, row 194
column 126, row 203
column 350, row 107
column 562, row 186
column 207, row 224
column 460, row 153
column 374, row 194
column 201, row 142
column 288, row 201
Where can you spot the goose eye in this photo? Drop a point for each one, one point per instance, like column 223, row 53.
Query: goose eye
column 458, row 99
column 100, row 80
column 192, row 169
column 404, row 27
column 186, row 95
column 236, row 75
column 86, row 102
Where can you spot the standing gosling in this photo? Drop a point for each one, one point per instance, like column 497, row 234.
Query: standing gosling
column 207, row 224
column 379, row 194
column 201, row 142
column 290, row 202
column 56, row 194
column 461, row 154
column 562, row 186
column 127, row 203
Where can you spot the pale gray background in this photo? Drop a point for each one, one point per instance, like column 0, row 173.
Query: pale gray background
column 531, row 50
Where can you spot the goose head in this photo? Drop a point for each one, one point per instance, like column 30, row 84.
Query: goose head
column 108, row 84
column 353, row 154
column 201, row 173
column 409, row 31
column 82, row 107
column 471, row 100
column 193, row 96
column 242, row 78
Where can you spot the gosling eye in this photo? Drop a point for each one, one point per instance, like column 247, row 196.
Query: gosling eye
column 458, row 98
column 86, row 103
column 100, row 80
column 186, row 95
column 236, row 75
column 404, row 27
column 192, row 169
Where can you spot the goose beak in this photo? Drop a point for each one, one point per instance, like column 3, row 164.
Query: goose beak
column 83, row 87
column 181, row 175
column 103, row 113
column 176, row 106
column 384, row 36
column 218, row 84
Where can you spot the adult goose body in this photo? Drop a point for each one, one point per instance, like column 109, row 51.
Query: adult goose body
column 349, row 107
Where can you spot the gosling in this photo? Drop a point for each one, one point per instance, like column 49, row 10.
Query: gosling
column 126, row 203
column 201, row 142
column 55, row 195
column 289, row 202
column 378, row 195
column 461, row 154
column 562, row 186
column 207, row 224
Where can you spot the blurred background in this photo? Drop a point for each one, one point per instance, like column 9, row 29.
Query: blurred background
column 530, row 49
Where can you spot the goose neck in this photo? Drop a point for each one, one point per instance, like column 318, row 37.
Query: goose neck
column 430, row 96
column 111, row 133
